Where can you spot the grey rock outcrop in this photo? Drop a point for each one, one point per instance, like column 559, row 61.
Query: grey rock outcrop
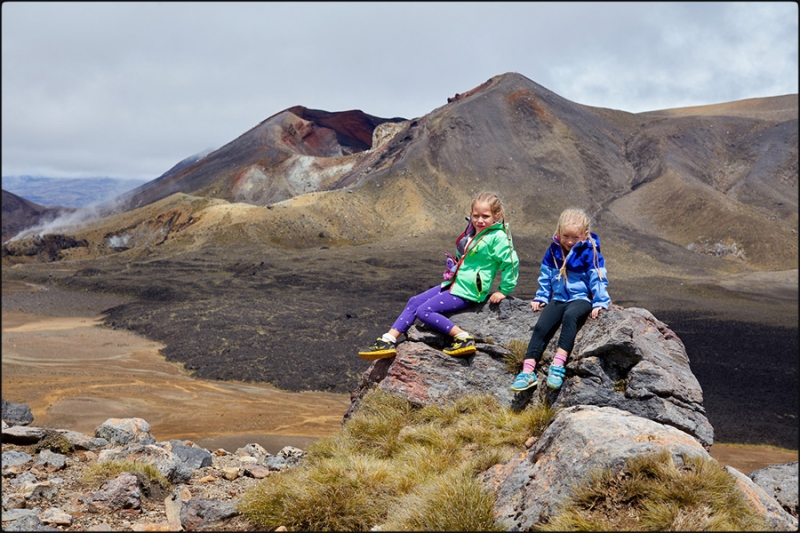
column 628, row 391
column 780, row 481
column 626, row 359
column 534, row 486
column 766, row 505
column 16, row 414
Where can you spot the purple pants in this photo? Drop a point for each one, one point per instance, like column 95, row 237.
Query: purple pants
column 428, row 307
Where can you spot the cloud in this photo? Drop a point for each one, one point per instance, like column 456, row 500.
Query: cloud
column 129, row 89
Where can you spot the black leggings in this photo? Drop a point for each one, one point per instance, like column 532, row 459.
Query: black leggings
column 570, row 315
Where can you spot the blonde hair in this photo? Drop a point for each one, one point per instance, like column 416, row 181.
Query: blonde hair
column 578, row 218
column 495, row 204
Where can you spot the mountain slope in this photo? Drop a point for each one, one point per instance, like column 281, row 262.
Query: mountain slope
column 654, row 180
column 19, row 214
column 256, row 167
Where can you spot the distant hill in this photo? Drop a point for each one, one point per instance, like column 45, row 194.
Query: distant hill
column 19, row 213
column 68, row 192
column 655, row 179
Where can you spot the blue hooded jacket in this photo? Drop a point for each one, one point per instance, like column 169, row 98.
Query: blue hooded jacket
column 584, row 269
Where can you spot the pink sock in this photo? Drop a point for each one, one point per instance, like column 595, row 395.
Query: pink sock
column 528, row 366
column 560, row 359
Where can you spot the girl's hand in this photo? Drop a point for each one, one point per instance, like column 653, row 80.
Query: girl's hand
column 537, row 305
column 497, row 297
column 596, row 312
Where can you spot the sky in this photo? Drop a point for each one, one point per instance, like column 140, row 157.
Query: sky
column 127, row 89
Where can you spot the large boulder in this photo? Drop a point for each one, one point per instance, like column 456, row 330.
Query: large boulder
column 425, row 375
column 536, row 484
column 626, row 359
column 764, row 502
column 780, row 481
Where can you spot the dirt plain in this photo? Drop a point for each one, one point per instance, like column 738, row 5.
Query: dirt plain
column 75, row 374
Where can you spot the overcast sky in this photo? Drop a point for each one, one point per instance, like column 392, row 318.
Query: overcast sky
column 129, row 89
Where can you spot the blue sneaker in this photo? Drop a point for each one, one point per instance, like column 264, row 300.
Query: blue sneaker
column 524, row 381
column 555, row 378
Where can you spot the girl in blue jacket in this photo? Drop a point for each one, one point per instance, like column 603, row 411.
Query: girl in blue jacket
column 572, row 286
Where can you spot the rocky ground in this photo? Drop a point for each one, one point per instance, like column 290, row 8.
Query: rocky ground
column 46, row 481
column 209, row 483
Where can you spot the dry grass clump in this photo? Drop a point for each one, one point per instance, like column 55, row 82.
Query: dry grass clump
column 55, row 442
column 414, row 466
column 98, row 473
column 652, row 493
column 516, row 358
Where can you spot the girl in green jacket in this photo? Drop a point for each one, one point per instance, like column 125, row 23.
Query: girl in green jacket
column 483, row 249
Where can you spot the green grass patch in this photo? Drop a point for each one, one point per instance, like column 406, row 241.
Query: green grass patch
column 415, row 467
column 652, row 493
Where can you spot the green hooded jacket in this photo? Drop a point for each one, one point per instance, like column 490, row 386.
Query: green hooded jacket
column 490, row 251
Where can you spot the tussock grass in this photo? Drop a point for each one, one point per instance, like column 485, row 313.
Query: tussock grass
column 55, row 442
column 153, row 481
column 414, row 466
column 652, row 493
column 516, row 359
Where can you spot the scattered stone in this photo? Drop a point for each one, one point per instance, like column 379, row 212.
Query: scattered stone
column 16, row 514
column 230, row 473
column 253, row 450
column 256, row 471
column 193, row 457
column 51, row 462
column 39, row 491
column 28, row 523
column 122, row 492
column 122, row 431
column 14, row 458
column 160, row 526
column 83, row 442
column 55, row 516
column 102, row 526
column 198, row 513
column 16, row 414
